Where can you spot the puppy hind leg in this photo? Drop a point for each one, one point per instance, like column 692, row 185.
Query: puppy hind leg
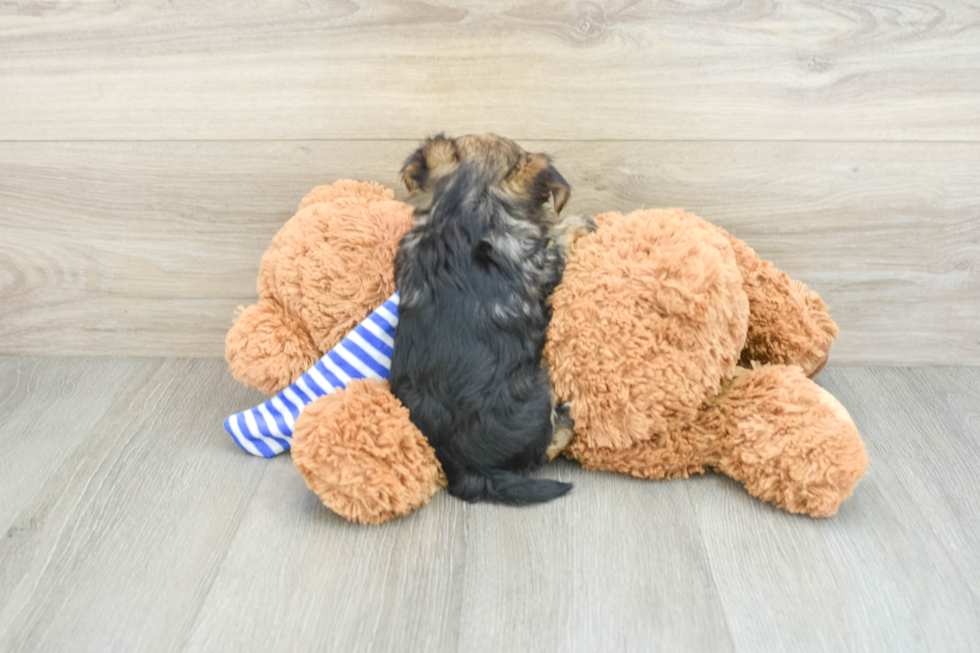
column 562, row 427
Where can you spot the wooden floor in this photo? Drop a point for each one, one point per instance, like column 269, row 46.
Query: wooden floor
column 131, row 522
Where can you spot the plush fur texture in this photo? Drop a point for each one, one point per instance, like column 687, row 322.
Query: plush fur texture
column 327, row 269
column 363, row 457
column 787, row 324
column 473, row 276
column 763, row 422
column 649, row 320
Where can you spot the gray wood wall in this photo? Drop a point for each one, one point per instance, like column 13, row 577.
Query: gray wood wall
column 149, row 151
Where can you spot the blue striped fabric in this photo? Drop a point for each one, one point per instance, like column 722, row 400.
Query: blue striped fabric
column 267, row 429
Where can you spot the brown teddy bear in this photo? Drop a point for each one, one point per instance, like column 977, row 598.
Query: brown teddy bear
column 328, row 267
column 678, row 349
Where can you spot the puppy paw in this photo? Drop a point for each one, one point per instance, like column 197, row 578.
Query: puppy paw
column 569, row 230
column 562, row 429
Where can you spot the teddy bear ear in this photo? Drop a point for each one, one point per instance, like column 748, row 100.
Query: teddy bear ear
column 436, row 152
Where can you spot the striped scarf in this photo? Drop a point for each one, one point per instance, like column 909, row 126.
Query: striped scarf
column 267, row 429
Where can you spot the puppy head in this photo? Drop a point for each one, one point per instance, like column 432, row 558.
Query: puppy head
column 516, row 173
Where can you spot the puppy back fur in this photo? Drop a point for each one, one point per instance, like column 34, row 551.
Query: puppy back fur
column 473, row 275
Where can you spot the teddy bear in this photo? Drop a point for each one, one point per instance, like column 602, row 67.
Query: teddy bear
column 328, row 267
column 677, row 349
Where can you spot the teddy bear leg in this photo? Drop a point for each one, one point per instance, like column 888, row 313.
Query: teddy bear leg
column 362, row 456
column 789, row 441
column 268, row 349
column 679, row 453
column 788, row 325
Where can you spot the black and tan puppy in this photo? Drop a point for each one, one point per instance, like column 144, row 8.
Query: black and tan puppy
column 474, row 275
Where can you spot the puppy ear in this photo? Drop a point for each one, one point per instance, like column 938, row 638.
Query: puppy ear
column 415, row 170
column 560, row 190
column 550, row 182
column 436, row 154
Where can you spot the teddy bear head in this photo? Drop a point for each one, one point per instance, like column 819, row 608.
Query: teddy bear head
column 326, row 270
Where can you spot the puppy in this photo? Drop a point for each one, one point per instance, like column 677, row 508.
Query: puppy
column 474, row 275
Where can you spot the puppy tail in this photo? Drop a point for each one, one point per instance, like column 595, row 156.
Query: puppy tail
column 510, row 488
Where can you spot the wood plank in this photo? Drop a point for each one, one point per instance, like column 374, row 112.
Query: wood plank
column 560, row 70
column 118, row 543
column 617, row 565
column 300, row 578
column 928, row 433
column 154, row 533
column 874, row 577
column 147, row 248
column 46, row 404
column 454, row 577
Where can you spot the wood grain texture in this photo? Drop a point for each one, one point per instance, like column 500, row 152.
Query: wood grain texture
column 936, row 464
column 147, row 248
column 117, row 539
column 154, row 533
column 619, row 566
column 872, row 578
column 876, row 577
column 44, row 405
column 300, row 578
column 455, row 577
column 559, row 69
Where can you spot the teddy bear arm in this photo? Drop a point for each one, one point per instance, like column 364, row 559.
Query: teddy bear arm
column 788, row 324
column 360, row 453
column 268, row 349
